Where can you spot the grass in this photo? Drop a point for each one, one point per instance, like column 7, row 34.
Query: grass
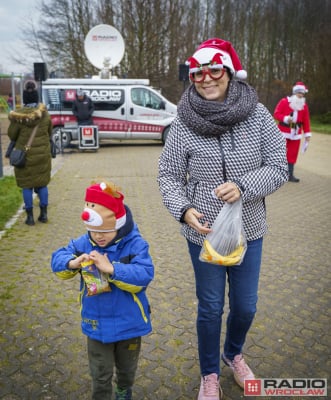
column 10, row 199
column 321, row 123
column 318, row 127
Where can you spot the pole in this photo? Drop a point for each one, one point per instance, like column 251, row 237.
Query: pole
column 21, row 90
column 13, row 90
column 61, row 138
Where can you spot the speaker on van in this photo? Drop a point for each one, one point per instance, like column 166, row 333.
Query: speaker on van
column 183, row 72
column 40, row 71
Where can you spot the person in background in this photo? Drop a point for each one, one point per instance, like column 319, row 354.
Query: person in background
column 115, row 268
column 10, row 101
column 292, row 114
column 83, row 108
column 36, row 174
column 223, row 145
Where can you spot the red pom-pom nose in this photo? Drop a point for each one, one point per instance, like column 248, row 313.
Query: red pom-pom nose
column 85, row 215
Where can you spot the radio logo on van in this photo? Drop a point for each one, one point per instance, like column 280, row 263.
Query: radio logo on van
column 70, row 95
column 109, row 95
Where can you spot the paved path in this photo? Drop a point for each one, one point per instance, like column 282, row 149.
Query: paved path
column 42, row 350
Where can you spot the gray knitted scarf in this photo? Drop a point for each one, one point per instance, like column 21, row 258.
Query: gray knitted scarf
column 212, row 118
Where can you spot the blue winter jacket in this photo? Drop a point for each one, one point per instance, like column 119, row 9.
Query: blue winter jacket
column 123, row 312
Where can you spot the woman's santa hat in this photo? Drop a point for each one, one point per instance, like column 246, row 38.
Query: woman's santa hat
column 219, row 54
column 104, row 209
column 299, row 87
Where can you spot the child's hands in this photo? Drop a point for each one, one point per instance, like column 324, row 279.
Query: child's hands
column 75, row 263
column 101, row 261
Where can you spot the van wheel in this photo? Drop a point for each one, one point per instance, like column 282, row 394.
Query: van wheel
column 56, row 137
column 165, row 134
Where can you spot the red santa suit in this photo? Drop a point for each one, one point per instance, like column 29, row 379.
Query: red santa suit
column 293, row 131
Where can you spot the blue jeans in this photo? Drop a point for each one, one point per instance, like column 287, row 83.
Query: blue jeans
column 210, row 290
column 42, row 193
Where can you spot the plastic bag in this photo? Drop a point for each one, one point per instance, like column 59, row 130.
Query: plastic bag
column 226, row 244
column 95, row 280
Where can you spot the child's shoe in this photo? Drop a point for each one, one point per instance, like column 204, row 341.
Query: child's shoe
column 210, row 388
column 123, row 394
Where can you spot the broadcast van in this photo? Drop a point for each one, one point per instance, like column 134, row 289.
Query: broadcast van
column 125, row 109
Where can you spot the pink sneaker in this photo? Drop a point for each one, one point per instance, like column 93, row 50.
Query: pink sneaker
column 210, row 388
column 241, row 370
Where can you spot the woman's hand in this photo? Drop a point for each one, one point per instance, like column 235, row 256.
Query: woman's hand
column 192, row 217
column 228, row 192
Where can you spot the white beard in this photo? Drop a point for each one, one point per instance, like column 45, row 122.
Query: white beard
column 297, row 103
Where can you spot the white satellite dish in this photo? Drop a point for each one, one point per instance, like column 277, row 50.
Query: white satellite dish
column 104, row 43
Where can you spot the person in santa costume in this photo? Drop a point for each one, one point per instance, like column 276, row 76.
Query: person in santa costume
column 292, row 114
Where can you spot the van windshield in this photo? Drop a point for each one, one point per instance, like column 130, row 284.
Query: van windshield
column 145, row 98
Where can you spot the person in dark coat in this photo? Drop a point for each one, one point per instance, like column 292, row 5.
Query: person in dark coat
column 36, row 174
column 83, row 108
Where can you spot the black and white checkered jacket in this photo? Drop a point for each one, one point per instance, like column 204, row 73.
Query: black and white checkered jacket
column 252, row 154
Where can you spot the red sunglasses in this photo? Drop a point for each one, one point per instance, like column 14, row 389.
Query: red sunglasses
column 214, row 73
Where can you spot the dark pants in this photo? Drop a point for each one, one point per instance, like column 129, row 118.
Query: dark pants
column 103, row 357
column 85, row 123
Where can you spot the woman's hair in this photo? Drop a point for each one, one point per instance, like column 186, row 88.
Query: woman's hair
column 30, row 86
column 30, row 94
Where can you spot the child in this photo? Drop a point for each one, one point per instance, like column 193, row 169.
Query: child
column 10, row 101
column 115, row 267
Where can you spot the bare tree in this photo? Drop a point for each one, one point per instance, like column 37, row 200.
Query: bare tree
column 278, row 42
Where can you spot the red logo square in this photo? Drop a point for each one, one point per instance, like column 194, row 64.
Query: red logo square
column 70, row 94
column 87, row 132
column 252, row 387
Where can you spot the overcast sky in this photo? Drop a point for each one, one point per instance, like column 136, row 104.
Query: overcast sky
column 12, row 14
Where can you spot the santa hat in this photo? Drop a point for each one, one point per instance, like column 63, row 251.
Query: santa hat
column 218, row 53
column 104, row 209
column 299, row 87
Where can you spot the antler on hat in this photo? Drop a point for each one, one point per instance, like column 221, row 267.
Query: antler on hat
column 217, row 52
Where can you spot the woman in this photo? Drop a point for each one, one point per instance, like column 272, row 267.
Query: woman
column 36, row 173
column 223, row 146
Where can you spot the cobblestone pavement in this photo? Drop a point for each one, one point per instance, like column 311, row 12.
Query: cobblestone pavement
column 42, row 350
